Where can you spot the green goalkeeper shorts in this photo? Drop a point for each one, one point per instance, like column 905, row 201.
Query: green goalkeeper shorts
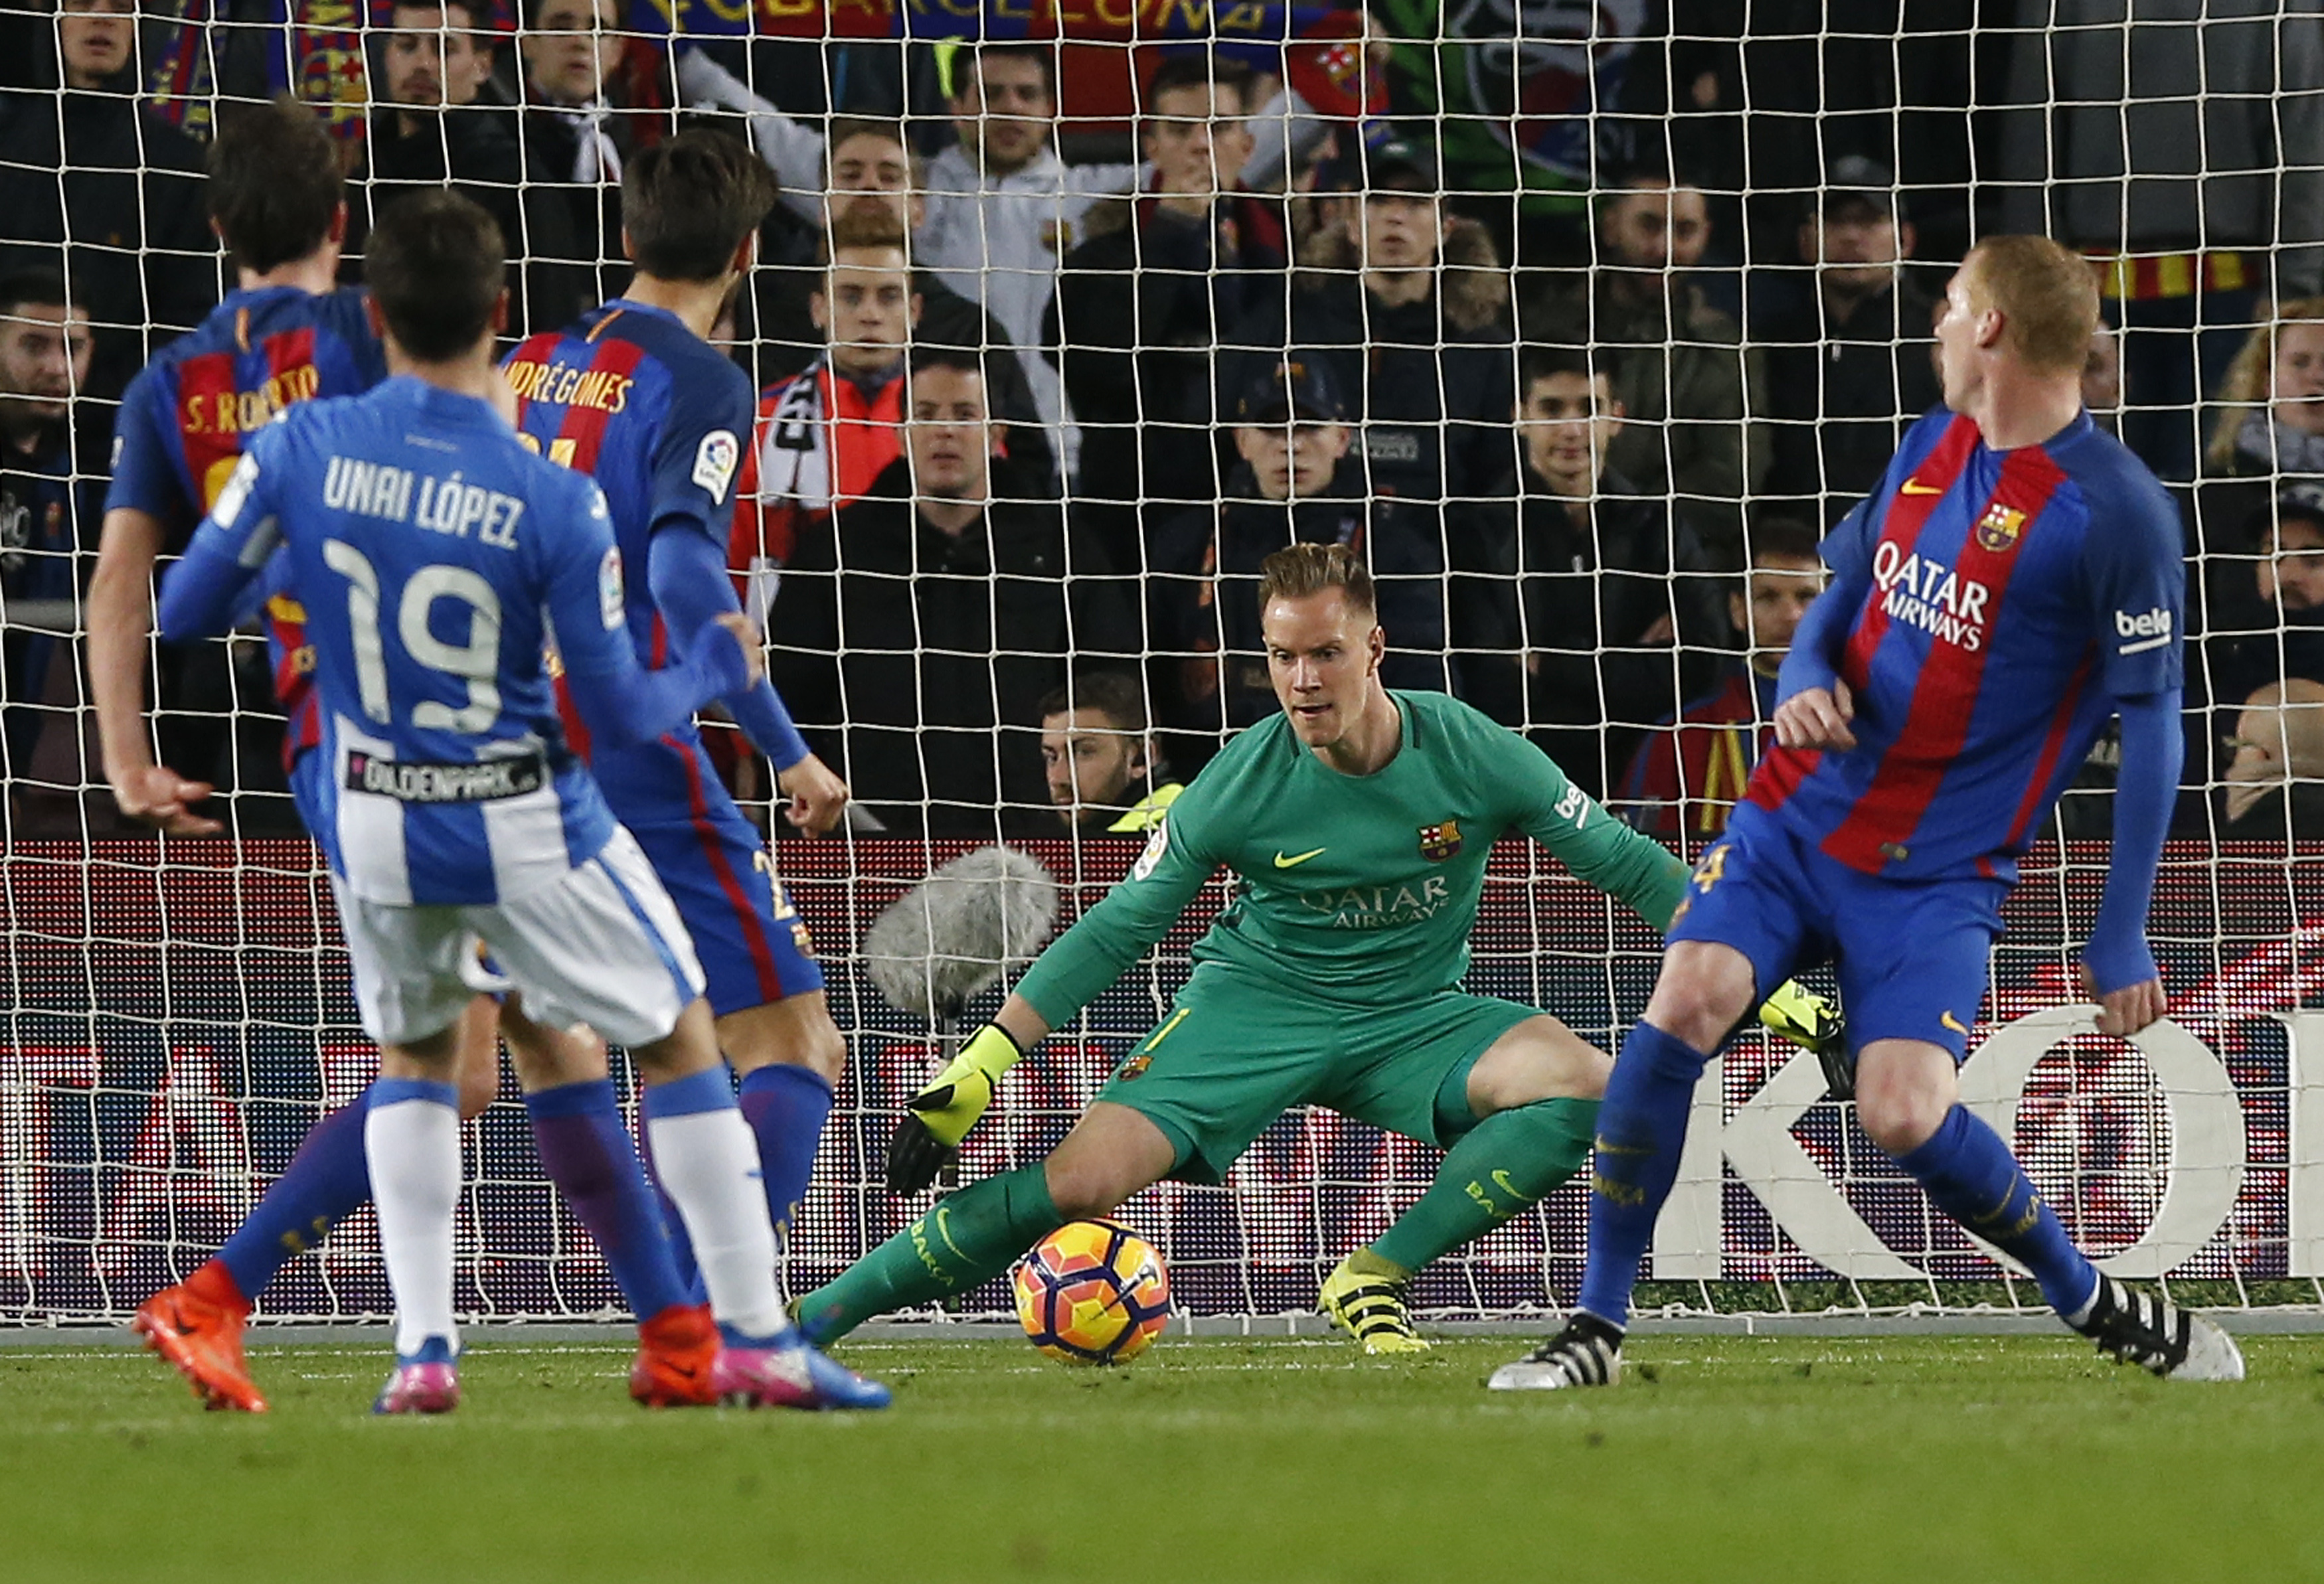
column 1235, row 1053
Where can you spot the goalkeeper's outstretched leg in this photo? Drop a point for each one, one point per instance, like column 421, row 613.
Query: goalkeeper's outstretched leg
column 968, row 1238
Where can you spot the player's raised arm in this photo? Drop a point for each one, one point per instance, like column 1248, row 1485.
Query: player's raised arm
column 792, row 150
column 1613, row 856
column 1075, row 969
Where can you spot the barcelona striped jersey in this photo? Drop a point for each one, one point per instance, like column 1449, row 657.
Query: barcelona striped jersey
column 2003, row 599
column 630, row 396
column 633, row 398
column 188, row 415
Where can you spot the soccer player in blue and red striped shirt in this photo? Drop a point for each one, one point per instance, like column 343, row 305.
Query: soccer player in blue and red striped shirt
column 2015, row 581
column 285, row 334
column 634, row 394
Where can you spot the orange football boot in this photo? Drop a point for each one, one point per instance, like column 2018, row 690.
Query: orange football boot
column 202, row 1338
column 677, row 1353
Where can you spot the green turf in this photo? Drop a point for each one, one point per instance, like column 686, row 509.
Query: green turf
column 1926, row 1458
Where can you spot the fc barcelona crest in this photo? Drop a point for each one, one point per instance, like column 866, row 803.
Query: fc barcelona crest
column 1440, row 841
column 1998, row 529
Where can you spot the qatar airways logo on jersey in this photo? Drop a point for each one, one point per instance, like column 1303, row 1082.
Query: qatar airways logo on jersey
column 1380, row 906
column 1922, row 591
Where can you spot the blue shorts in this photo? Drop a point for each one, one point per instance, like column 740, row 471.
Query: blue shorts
column 1912, row 957
column 753, row 944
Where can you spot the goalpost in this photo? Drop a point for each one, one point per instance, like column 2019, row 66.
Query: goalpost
column 175, row 1014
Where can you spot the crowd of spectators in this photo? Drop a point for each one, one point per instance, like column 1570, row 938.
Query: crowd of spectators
column 1037, row 400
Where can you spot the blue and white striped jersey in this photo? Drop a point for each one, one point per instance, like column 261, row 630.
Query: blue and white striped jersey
column 439, row 560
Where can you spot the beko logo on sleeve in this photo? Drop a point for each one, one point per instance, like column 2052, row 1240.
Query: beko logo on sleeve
column 2147, row 630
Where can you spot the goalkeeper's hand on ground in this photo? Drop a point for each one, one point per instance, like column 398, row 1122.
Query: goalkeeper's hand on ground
column 928, row 1137
column 1813, row 1024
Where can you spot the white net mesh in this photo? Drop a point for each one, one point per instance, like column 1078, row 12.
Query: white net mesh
column 1700, row 265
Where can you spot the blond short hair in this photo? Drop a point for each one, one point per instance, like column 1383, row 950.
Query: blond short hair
column 1298, row 571
column 2047, row 295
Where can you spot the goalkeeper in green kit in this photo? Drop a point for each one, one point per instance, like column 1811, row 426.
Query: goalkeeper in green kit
column 1359, row 822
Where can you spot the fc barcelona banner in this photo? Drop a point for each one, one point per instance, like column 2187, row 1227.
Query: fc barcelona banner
column 1251, row 22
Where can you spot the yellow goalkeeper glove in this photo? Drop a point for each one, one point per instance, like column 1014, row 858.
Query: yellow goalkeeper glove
column 1813, row 1024
column 928, row 1137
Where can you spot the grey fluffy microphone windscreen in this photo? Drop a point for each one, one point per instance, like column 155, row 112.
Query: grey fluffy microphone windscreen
column 950, row 936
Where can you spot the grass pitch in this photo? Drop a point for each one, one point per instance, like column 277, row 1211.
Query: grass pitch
column 1923, row 1459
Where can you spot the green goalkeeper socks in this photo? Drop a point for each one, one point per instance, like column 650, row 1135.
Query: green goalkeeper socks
column 964, row 1240
column 1507, row 1162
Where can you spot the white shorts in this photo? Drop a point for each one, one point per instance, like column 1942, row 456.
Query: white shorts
column 604, row 946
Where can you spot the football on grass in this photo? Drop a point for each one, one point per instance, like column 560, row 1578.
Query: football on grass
column 1092, row 1293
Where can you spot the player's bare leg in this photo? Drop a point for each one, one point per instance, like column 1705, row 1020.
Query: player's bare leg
column 1534, row 1094
column 197, row 1324
column 1904, row 1089
column 1112, row 1153
column 1701, row 993
column 1908, row 1095
column 968, row 1238
column 795, row 1031
column 1705, row 989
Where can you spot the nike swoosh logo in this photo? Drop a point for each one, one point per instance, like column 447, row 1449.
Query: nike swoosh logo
column 1951, row 1022
column 1912, row 486
column 1283, row 863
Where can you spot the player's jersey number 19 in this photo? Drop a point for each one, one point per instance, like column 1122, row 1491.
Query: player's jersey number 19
column 476, row 662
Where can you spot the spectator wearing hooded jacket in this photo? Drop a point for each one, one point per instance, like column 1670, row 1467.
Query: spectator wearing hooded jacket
column 1848, row 361
column 434, row 127
column 1676, row 362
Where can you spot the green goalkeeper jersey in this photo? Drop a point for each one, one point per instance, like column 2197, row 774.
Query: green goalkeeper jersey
column 1359, row 889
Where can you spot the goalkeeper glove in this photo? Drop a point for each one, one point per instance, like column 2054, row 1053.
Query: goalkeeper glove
column 1811, row 1023
column 928, row 1137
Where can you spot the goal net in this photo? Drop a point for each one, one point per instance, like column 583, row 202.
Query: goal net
column 1701, row 268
